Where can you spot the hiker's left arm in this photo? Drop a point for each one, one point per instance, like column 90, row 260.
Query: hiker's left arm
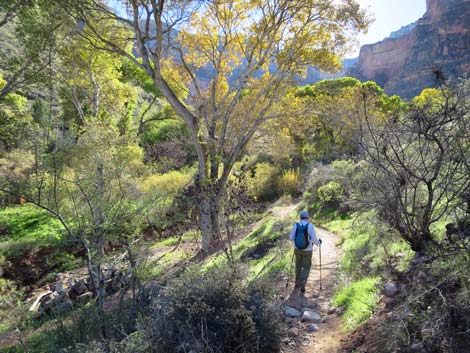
column 292, row 233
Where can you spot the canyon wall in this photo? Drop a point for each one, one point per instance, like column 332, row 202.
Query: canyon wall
column 437, row 48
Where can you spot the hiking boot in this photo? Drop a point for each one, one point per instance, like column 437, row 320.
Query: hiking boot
column 302, row 289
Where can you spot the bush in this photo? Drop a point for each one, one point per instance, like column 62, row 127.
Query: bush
column 331, row 194
column 289, row 182
column 212, row 313
column 349, row 175
column 162, row 191
column 262, row 183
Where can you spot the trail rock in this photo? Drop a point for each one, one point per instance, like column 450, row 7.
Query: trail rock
column 311, row 316
column 312, row 328
column 294, row 332
column 291, row 312
column 388, row 300
column 331, row 310
column 390, row 289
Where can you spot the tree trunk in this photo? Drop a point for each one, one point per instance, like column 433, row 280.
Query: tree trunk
column 209, row 211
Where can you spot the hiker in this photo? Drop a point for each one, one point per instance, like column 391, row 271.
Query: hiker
column 303, row 236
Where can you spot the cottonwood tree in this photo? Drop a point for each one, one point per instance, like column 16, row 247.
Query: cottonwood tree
column 236, row 60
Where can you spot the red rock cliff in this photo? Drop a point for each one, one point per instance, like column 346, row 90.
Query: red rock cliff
column 439, row 45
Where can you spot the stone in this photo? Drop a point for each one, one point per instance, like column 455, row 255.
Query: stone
column 331, row 310
column 312, row 328
column 84, row 298
column 256, row 256
column 390, row 289
column 78, row 288
column 43, row 297
column 388, row 300
column 291, row 312
column 311, row 316
column 294, row 332
column 62, row 307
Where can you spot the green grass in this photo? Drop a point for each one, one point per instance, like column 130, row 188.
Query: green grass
column 172, row 241
column 25, row 226
column 359, row 300
column 269, row 239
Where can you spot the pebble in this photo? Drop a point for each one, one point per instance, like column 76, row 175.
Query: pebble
column 331, row 310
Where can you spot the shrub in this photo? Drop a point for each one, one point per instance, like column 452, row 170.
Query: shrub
column 262, row 183
column 348, row 174
column 215, row 312
column 289, row 182
column 331, row 194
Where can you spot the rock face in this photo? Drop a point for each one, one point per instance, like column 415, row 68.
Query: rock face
column 437, row 47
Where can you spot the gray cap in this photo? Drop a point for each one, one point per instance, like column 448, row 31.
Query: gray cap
column 304, row 214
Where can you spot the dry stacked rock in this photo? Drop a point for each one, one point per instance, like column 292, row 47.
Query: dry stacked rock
column 69, row 291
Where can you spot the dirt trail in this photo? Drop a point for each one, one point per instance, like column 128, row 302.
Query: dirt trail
column 328, row 338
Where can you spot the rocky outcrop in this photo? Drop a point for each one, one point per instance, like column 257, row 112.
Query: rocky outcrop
column 437, row 48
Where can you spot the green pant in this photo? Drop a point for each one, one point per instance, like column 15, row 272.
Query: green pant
column 303, row 262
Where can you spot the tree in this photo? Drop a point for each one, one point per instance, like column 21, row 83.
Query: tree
column 333, row 126
column 419, row 163
column 31, row 35
column 236, row 60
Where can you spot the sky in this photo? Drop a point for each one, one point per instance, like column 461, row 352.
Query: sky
column 389, row 16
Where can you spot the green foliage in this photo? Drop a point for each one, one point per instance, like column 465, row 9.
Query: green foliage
column 369, row 246
column 11, row 305
column 27, row 226
column 359, row 300
column 162, row 190
column 330, row 194
column 262, row 184
column 167, row 127
column 335, row 186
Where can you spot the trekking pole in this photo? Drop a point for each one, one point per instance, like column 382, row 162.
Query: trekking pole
column 290, row 270
column 319, row 249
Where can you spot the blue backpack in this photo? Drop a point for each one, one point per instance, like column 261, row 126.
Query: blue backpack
column 301, row 236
